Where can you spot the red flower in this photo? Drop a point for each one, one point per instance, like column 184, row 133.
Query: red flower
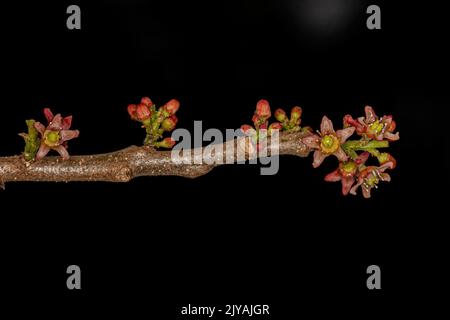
column 373, row 127
column 346, row 172
column 328, row 142
column 55, row 135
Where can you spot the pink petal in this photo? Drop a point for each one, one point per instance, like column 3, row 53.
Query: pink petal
column 333, row 176
column 347, row 183
column 385, row 177
column 312, row 141
column 392, row 137
column 56, row 123
column 62, row 152
column 326, row 127
column 39, row 127
column 355, row 187
column 42, row 152
column 344, row 134
column 341, row 155
column 67, row 135
column 67, row 122
column 318, row 158
column 48, row 114
column 366, row 192
column 370, row 114
column 385, row 166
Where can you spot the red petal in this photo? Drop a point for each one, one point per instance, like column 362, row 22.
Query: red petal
column 344, row 134
column 62, row 152
column 48, row 114
column 42, row 152
column 333, row 176
column 318, row 158
column 67, row 122
column 56, row 123
column 347, row 183
column 340, row 154
column 67, row 135
column 39, row 127
column 370, row 114
column 326, row 127
column 391, row 136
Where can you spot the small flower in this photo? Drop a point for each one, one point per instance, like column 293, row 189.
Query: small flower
column 169, row 123
column 55, row 135
column 369, row 178
column 373, row 127
column 328, row 142
column 346, row 172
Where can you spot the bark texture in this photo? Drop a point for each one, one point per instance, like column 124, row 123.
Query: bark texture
column 131, row 162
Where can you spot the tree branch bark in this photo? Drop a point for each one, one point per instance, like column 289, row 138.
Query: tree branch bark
column 131, row 162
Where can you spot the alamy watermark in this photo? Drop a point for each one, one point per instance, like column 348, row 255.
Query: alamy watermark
column 253, row 147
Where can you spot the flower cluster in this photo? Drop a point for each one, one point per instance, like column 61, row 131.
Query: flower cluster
column 40, row 139
column 155, row 121
column 353, row 172
column 261, row 127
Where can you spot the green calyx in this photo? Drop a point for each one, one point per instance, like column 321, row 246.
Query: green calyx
column 153, row 127
column 32, row 141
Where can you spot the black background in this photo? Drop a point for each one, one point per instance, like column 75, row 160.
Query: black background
column 290, row 240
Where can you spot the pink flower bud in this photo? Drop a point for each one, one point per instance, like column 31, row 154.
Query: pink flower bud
column 166, row 143
column 246, row 128
column 172, row 106
column 280, row 115
column 274, row 126
column 296, row 114
column 143, row 112
column 169, row 123
column 263, row 109
column 132, row 111
column 147, row 101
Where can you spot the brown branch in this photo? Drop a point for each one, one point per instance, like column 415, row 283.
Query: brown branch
column 126, row 164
